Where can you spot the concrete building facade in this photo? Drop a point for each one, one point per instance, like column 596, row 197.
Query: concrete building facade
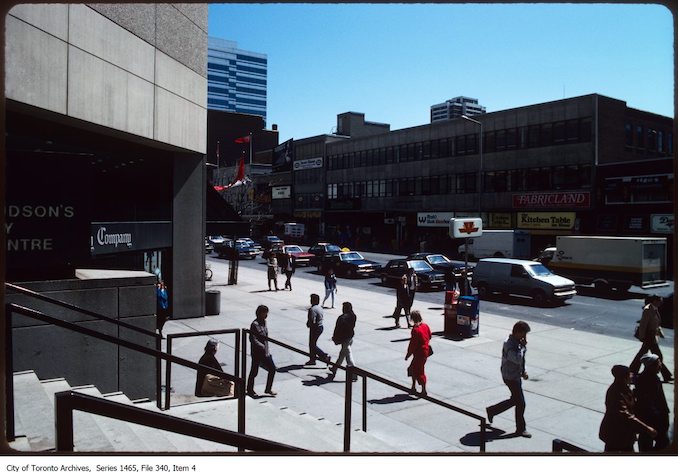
column 106, row 126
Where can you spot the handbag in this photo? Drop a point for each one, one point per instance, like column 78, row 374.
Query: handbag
column 216, row 386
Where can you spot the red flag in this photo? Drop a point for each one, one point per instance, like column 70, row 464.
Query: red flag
column 219, row 188
column 238, row 179
column 243, row 140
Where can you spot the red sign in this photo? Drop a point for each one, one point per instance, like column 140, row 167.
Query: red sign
column 552, row 200
column 469, row 228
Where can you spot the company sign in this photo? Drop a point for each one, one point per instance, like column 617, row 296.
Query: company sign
column 437, row 220
column 538, row 220
column 552, row 200
column 662, row 223
column 116, row 237
column 308, row 164
column 466, row 227
column 278, row 193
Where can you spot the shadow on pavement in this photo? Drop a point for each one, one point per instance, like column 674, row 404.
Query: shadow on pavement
column 289, row 368
column 609, row 294
column 491, row 434
column 317, row 381
column 397, row 398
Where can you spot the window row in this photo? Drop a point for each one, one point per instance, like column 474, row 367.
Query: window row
column 650, row 139
column 515, row 180
column 546, row 134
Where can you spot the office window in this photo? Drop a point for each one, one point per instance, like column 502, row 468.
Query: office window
column 435, row 185
column 558, row 132
column 490, row 144
column 651, row 139
column 466, row 183
column 331, row 191
column 369, row 189
column 511, row 138
column 471, row 144
column 585, row 130
column 426, row 150
column 628, row 134
column 460, row 145
column 640, row 136
column 516, row 180
column 546, row 135
column 501, row 140
column 660, row 141
column 533, row 133
column 538, row 178
column 572, row 130
column 495, row 181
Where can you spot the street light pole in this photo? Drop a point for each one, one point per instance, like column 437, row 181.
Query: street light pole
column 480, row 170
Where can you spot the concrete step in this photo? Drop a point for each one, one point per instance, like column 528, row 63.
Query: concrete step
column 33, row 411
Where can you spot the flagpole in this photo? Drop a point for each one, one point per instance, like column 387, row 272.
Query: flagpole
column 250, row 152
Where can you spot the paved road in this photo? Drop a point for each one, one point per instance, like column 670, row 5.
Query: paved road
column 589, row 311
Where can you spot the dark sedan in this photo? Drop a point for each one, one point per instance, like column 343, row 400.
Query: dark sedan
column 439, row 262
column 353, row 264
column 322, row 254
column 427, row 276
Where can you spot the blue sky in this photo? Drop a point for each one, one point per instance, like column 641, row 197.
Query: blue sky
column 393, row 61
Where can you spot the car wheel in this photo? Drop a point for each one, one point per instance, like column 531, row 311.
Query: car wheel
column 483, row 291
column 539, row 297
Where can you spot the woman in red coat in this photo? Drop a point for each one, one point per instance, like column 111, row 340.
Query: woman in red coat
column 419, row 349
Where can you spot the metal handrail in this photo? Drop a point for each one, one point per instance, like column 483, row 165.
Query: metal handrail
column 84, row 311
column 68, row 401
column 350, row 371
column 559, row 446
column 168, row 365
column 158, row 354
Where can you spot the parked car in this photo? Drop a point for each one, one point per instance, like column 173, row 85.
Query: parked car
column 301, row 257
column 353, row 264
column 520, row 277
column 229, row 248
column 216, row 240
column 427, row 276
column 439, row 262
column 322, row 253
column 257, row 247
column 208, row 247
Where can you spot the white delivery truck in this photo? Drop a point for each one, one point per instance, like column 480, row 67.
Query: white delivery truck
column 294, row 230
column 499, row 243
column 608, row 262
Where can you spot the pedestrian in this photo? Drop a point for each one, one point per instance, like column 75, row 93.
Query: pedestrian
column 315, row 329
column 162, row 305
column 261, row 357
column 412, row 283
column 208, row 359
column 651, row 406
column 513, row 373
column 419, row 350
column 650, row 331
column 344, row 331
column 402, row 302
column 272, row 271
column 463, row 284
column 330, row 286
column 450, row 280
column 289, row 267
column 620, row 424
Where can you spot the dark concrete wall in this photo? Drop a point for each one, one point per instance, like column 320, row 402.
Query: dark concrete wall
column 54, row 352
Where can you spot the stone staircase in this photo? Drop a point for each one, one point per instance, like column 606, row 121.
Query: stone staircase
column 34, row 419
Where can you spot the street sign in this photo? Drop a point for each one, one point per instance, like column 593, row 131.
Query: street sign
column 466, row 227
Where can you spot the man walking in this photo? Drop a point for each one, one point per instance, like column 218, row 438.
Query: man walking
column 344, row 330
column 512, row 372
column 402, row 302
column 261, row 357
column 289, row 266
column 315, row 327
column 412, row 282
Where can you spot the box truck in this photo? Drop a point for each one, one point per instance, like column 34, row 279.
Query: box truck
column 499, row 243
column 608, row 262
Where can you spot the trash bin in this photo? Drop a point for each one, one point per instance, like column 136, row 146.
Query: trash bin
column 468, row 315
column 212, row 302
column 450, row 312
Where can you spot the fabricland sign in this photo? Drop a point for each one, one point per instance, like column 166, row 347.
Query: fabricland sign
column 308, row 164
column 116, row 237
column 552, row 200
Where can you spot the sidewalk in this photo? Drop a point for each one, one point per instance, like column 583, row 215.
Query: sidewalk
column 569, row 370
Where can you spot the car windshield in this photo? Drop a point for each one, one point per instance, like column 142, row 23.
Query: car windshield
column 419, row 265
column 332, row 248
column 438, row 259
column 539, row 270
column 351, row 256
column 293, row 249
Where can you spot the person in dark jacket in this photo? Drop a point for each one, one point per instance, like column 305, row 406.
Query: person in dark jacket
column 620, row 424
column 513, row 372
column 651, row 406
column 208, row 359
column 402, row 302
column 344, row 330
column 261, row 357
column 650, row 331
column 289, row 266
column 330, row 286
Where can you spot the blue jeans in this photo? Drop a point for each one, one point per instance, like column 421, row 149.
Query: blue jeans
column 517, row 399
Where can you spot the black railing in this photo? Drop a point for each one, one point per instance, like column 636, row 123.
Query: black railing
column 559, row 446
column 68, row 401
column 157, row 336
column 12, row 308
column 353, row 371
column 350, row 372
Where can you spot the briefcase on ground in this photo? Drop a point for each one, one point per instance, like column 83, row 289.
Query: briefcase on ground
column 216, row 386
